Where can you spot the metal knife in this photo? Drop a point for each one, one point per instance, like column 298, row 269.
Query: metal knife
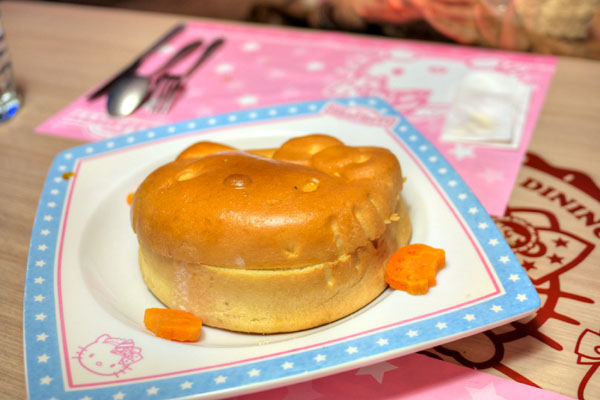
column 135, row 65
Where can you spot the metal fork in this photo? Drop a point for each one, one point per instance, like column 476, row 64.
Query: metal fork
column 168, row 86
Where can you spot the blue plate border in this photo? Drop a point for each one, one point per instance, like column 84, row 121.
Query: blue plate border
column 43, row 362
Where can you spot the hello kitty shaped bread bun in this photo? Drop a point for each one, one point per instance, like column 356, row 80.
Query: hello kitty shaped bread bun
column 272, row 240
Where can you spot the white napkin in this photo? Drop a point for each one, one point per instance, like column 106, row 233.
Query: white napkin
column 489, row 109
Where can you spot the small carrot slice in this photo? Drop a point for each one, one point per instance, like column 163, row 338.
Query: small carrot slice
column 68, row 175
column 177, row 325
column 130, row 198
column 413, row 268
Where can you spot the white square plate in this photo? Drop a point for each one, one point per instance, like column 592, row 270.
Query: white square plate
column 85, row 298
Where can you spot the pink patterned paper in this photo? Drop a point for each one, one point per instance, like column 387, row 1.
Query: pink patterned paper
column 262, row 66
column 414, row 377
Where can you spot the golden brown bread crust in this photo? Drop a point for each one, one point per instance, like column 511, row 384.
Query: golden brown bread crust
column 271, row 240
column 234, row 209
column 279, row 300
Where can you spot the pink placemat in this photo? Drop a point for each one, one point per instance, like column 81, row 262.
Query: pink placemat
column 414, row 377
column 262, row 66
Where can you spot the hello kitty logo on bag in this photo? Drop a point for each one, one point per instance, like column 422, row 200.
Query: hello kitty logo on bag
column 109, row 355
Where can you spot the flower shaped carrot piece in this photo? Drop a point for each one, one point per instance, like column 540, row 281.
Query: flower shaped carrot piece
column 177, row 325
column 413, row 268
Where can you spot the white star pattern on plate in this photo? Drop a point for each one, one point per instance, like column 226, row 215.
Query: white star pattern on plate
column 403, row 128
column 41, row 337
column 315, row 66
column 171, row 129
column 377, row 371
column 186, row 385
column 46, row 380
column 152, row 390
column 521, row 297
column 212, row 121
column 224, row 68
column 504, row 259
column 151, row 135
column 461, row 151
column 287, row 365
column 51, row 204
column 57, row 179
column 68, row 156
column 487, row 392
column 54, row 192
column 332, row 354
column 86, row 398
column 247, row 100
column 110, row 145
column 130, row 139
column 119, row 396
column 62, row 168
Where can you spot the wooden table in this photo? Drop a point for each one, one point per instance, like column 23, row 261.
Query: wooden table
column 60, row 51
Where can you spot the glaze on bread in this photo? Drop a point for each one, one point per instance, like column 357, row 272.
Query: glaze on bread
column 272, row 240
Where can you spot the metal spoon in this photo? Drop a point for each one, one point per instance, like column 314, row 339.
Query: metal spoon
column 130, row 69
column 129, row 93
